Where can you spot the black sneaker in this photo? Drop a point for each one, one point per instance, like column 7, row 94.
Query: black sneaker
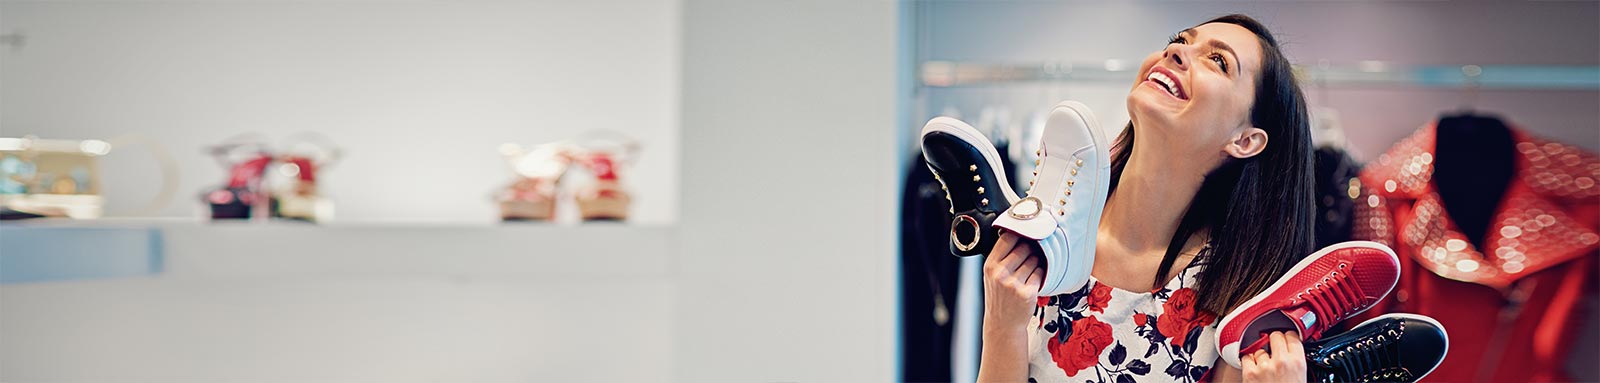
column 1389, row 348
column 968, row 168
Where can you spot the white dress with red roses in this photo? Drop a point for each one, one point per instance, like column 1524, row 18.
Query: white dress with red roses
column 1104, row 334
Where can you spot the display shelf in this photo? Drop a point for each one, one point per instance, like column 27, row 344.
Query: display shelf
column 48, row 253
column 188, row 249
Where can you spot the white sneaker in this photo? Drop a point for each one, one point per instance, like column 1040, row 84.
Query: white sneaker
column 1068, row 193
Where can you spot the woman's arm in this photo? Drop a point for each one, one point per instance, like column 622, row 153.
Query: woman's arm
column 1011, row 281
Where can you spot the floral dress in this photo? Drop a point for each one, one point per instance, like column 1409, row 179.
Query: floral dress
column 1104, row 334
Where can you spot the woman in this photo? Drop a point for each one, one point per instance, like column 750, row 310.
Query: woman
column 1209, row 204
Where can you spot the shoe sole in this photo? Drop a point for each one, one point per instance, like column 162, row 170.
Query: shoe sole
column 1298, row 267
column 1102, row 176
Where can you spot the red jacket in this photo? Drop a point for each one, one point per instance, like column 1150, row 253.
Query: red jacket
column 1512, row 311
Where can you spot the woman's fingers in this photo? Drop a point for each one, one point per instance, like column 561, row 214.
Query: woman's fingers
column 1247, row 363
column 1279, row 343
column 1029, row 262
column 1035, row 279
column 1296, row 348
column 1003, row 245
column 1008, row 262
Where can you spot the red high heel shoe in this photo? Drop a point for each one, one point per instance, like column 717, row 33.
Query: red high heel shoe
column 295, row 194
column 533, row 196
column 246, row 159
column 603, row 155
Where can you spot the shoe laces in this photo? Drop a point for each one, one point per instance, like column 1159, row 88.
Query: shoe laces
column 1333, row 298
column 1072, row 178
column 1374, row 359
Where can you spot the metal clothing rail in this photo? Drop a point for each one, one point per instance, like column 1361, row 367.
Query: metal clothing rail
column 943, row 74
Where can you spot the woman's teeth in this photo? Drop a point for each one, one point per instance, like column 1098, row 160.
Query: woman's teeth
column 1166, row 82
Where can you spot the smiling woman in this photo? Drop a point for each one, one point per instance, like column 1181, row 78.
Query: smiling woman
column 1208, row 205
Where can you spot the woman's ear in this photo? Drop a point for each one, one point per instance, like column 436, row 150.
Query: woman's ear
column 1249, row 142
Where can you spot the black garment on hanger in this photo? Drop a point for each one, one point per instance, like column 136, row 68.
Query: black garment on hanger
column 1472, row 167
column 928, row 278
column 1334, row 172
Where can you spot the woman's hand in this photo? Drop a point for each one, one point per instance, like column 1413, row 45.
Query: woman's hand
column 1011, row 281
column 1286, row 362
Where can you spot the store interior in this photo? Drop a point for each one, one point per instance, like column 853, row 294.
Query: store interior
column 617, row 190
column 1374, row 74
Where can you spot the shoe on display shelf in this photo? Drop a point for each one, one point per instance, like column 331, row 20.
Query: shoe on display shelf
column 539, row 169
column 295, row 194
column 603, row 155
column 246, row 157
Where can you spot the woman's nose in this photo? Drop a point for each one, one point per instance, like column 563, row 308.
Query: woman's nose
column 1176, row 53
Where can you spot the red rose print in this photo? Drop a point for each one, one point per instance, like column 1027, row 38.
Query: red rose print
column 1099, row 296
column 1082, row 349
column 1181, row 316
column 1043, row 301
column 1139, row 319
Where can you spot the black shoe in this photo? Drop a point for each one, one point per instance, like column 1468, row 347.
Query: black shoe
column 1389, row 348
column 974, row 181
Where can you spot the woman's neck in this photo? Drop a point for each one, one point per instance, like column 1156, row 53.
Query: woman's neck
column 1149, row 202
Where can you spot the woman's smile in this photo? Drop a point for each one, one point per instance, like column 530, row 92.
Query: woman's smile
column 1166, row 81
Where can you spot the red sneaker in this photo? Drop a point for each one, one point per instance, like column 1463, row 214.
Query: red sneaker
column 1326, row 287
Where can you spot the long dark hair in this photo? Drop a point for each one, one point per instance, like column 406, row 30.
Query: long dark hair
column 1259, row 210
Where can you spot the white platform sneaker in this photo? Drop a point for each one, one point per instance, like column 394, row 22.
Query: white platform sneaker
column 1068, row 193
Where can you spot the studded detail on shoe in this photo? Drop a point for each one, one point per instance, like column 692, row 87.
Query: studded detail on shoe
column 972, row 177
column 1066, row 196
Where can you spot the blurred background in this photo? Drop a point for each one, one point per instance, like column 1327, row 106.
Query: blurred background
column 614, row 190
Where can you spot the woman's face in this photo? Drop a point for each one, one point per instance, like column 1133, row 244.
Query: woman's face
column 1193, row 98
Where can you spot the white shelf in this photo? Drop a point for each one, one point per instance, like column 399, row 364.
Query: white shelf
column 187, row 249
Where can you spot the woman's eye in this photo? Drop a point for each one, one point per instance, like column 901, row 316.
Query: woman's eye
column 1178, row 39
column 1220, row 61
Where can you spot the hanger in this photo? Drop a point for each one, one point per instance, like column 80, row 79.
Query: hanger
column 1469, row 95
column 1326, row 129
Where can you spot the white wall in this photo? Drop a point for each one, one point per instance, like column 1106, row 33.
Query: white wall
column 790, row 171
column 420, row 93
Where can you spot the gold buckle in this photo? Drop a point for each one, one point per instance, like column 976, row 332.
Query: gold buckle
column 1038, row 206
column 977, row 233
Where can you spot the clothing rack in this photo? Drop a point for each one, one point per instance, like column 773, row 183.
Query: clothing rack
column 1374, row 74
